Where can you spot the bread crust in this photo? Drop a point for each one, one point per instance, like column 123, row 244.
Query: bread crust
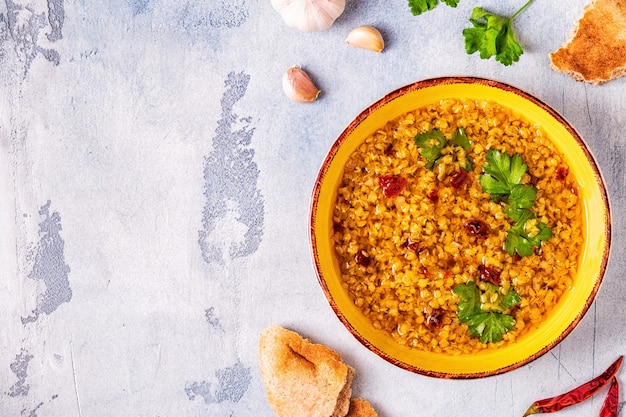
column 302, row 378
column 596, row 51
column 361, row 408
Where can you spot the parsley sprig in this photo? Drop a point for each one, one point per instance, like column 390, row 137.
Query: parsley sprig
column 492, row 35
column 420, row 6
column 487, row 324
column 501, row 178
column 433, row 142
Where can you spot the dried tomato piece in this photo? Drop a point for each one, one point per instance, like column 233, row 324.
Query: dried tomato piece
column 459, row 179
column 411, row 245
column 477, row 228
column 338, row 228
column 362, row 259
column 392, row 185
column 433, row 195
column 435, row 318
column 489, row 274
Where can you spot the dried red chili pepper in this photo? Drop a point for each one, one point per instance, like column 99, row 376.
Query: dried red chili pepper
column 489, row 274
column 610, row 406
column 577, row 395
column 459, row 179
column 392, row 185
column 362, row 259
column 477, row 228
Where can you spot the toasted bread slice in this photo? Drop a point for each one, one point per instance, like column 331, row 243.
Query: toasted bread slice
column 596, row 51
column 303, row 379
column 361, row 408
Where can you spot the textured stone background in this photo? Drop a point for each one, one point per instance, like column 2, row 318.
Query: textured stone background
column 154, row 197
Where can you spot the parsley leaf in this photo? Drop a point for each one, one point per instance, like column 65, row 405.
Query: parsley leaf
column 501, row 178
column 431, row 144
column 492, row 35
column 459, row 138
column 501, row 172
column 520, row 241
column 420, row 6
column 489, row 326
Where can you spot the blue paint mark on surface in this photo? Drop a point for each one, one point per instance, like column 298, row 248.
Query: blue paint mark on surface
column 200, row 18
column 50, row 266
column 21, row 26
column 230, row 14
column 231, row 385
column 56, row 17
column 231, row 176
column 139, row 6
column 20, row 369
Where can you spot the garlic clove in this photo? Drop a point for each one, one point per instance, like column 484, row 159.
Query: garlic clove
column 366, row 37
column 309, row 15
column 298, row 86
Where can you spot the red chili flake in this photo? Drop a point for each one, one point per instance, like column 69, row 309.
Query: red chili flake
column 576, row 395
column 489, row 274
column 517, row 257
column 362, row 259
column 389, row 149
column 433, row 195
column 392, row 185
column 561, row 173
column 425, row 271
column 435, row 318
column 477, row 228
column 459, row 179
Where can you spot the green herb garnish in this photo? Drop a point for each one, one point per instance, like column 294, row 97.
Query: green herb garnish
column 501, row 178
column 492, row 35
column 431, row 144
column 488, row 325
column 420, row 6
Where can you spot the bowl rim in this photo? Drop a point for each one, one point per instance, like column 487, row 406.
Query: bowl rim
column 430, row 82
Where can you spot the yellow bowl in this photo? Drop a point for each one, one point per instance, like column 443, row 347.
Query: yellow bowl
column 573, row 304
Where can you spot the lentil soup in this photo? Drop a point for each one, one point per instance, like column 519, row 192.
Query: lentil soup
column 408, row 233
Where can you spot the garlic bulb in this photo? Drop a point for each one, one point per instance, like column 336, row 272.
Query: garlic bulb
column 298, row 86
column 366, row 37
column 309, row 15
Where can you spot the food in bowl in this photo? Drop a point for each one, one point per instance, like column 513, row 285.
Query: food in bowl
column 542, row 329
column 434, row 259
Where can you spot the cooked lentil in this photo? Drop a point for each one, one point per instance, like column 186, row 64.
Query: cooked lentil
column 415, row 239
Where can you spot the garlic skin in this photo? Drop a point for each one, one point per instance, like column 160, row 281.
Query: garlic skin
column 366, row 37
column 309, row 15
column 298, row 86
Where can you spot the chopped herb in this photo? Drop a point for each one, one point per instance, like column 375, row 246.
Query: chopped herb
column 501, row 178
column 488, row 325
column 492, row 35
column 420, row 6
column 431, row 144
